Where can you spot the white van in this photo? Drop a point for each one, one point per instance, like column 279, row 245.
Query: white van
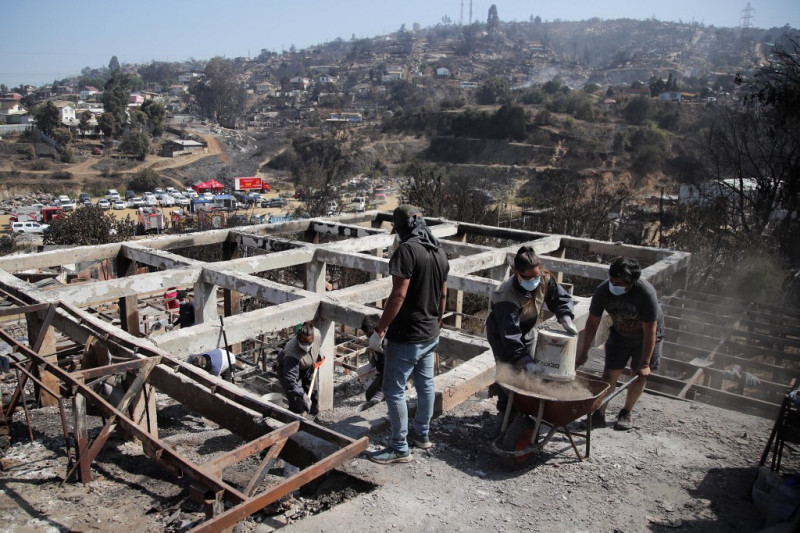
column 150, row 199
column 28, row 227
column 112, row 195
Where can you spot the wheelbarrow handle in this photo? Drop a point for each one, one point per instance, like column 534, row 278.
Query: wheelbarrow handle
column 619, row 389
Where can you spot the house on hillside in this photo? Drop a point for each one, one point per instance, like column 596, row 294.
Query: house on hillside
column 12, row 112
column 180, row 147
column 393, row 73
column 326, row 79
column 443, row 72
column 189, row 77
column 88, row 91
column 264, row 87
column 300, row 83
column 67, row 111
column 636, row 91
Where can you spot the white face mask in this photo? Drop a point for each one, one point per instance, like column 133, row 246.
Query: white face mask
column 304, row 347
column 616, row 290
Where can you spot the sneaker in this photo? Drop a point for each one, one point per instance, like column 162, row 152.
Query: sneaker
column 390, row 455
column 598, row 421
column 624, row 421
column 420, row 441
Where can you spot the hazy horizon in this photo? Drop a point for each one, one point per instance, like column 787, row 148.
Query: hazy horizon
column 60, row 38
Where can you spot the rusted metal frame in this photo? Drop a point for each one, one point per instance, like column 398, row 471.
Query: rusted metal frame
column 751, row 337
column 18, row 391
column 264, row 467
column 698, row 305
column 751, row 350
column 241, row 511
column 273, row 411
column 217, row 465
column 777, row 372
column 162, row 453
column 116, row 368
column 766, row 386
column 684, row 325
column 25, row 407
column 35, row 308
column 111, row 422
column 709, row 318
column 699, row 372
column 61, row 410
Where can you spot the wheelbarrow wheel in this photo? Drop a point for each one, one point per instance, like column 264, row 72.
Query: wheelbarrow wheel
column 518, row 437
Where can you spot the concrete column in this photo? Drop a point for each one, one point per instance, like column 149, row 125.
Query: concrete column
column 129, row 314
column 325, row 376
column 205, row 303
column 232, row 305
column 315, row 281
column 455, row 299
column 498, row 273
column 48, row 347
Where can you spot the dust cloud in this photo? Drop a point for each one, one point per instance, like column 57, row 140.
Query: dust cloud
column 561, row 390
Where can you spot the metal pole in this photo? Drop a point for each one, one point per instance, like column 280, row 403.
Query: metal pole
column 227, row 353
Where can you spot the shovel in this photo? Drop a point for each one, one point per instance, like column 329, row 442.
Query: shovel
column 614, row 394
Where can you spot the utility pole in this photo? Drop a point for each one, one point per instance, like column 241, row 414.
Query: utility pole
column 461, row 17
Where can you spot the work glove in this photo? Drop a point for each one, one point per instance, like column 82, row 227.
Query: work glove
column 307, row 402
column 376, row 342
column 533, row 369
column 569, row 327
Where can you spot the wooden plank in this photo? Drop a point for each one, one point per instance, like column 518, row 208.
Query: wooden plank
column 264, row 467
column 98, row 372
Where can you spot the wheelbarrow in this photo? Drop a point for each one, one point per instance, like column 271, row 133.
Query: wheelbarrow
column 520, row 439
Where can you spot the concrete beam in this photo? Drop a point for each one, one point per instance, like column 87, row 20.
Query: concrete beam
column 272, row 261
column 263, row 289
column 53, row 258
column 472, row 284
column 362, row 262
column 344, row 230
column 161, row 259
column 614, row 249
column 206, row 336
column 84, row 294
column 372, row 291
column 501, row 233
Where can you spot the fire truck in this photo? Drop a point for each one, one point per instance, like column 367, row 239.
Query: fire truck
column 151, row 220
column 44, row 214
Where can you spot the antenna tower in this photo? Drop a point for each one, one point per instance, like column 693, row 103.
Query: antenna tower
column 461, row 18
column 746, row 20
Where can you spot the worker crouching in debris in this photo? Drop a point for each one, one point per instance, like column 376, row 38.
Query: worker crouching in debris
column 635, row 335
column 216, row 362
column 297, row 365
column 517, row 306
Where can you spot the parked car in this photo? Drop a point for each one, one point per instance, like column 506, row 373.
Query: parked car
column 102, row 203
column 273, row 202
column 181, row 200
column 65, row 203
column 259, row 219
column 97, row 151
column 190, row 193
column 150, row 199
column 129, row 193
column 119, row 205
column 30, row 226
column 165, row 200
column 358, row 204
column 112, row 195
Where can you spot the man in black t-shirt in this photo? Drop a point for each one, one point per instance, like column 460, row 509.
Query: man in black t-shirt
column 635, row 336
column 410, row 323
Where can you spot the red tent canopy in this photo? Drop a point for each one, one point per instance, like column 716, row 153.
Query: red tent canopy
column 214, row 184
column 200, row 185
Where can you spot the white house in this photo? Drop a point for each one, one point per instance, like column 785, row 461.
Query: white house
column 443, row 72
column 325, row 79
column 264, row 87
column 67, row 111
column 12, row 112
column 188, row 77
column 88, row 91
column 392, row 74
column 299, row 82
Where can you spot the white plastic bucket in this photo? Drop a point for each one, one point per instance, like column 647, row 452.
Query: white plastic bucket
column 555, row 352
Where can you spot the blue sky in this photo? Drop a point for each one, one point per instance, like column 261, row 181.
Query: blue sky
column 51, row 39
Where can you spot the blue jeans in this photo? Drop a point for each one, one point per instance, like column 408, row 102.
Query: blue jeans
column 403, row 360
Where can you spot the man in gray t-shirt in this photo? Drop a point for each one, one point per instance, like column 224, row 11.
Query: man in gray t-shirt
column 635, row 335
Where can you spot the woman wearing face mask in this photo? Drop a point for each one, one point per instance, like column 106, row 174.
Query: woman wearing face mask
column 517, row 306
column 296, row 369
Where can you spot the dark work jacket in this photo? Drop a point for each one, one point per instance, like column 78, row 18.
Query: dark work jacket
column 295, row 370
column 516, row 311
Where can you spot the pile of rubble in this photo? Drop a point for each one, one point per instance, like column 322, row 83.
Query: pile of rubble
column 9, row 205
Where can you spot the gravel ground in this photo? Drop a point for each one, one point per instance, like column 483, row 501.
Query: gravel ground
column 685, row 466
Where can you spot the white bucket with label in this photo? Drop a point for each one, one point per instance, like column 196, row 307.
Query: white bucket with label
column 555, row 352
